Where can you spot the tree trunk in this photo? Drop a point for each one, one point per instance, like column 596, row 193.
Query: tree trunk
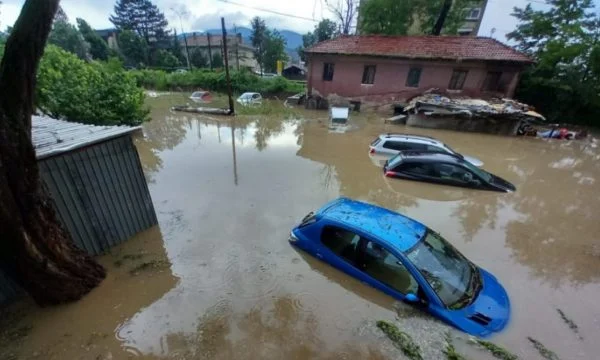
column 35, row 250
column 439, row 24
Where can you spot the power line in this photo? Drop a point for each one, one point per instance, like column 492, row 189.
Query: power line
column 268, row 11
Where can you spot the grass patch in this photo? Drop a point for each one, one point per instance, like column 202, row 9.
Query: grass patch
column 498, row 351
column 149, row 265
column 568, row 321
column 544, row 351
column 450, row 351
column 401, row 340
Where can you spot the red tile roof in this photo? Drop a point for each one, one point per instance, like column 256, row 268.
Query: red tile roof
column 421, row 47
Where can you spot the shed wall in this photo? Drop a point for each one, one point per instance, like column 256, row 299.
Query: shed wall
column 100, row 194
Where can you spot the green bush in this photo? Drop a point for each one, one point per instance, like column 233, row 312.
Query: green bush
column 241, row 81
column 93, row 93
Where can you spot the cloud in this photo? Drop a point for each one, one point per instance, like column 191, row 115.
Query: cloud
column 213, row 21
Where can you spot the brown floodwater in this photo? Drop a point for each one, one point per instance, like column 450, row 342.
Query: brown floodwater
column 217, row 279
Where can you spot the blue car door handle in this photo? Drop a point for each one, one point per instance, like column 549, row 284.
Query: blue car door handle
column 319, row 256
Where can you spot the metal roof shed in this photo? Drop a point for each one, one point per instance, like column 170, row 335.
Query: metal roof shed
column 96, row 180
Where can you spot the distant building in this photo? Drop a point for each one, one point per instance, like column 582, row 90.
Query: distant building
column 294, row 72
column 239, row 53
column 110, row 36
column 473, row 17
column 400, row 67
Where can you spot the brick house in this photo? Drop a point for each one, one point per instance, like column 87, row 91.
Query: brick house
column 379, row 68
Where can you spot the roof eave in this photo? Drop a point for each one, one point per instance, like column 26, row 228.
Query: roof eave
column 408, row 57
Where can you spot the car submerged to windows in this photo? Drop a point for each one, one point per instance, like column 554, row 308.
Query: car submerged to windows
column 250, row 98
column 406, row 260
column 388, row 145
column 443, row 169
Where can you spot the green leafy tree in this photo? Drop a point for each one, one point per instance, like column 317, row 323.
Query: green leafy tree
column 274, row 50
column 67, row 37
column 564, row 39
column 142, row 17
column 217, row 60
column 93, row 93
column 98, row 47
column 133, row 48
column 402, row 17
column 428, row 13
column 61, row 15
column 258, row 38
column 165, row 59
column 388, row 17
column 198, row 58
column 324, row 30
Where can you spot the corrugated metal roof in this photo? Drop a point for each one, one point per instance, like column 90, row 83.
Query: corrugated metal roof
column 51, row 137
column 421, row 47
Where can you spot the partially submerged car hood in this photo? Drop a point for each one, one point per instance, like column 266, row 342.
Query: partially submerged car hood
column 490, row 311
column 503, row 184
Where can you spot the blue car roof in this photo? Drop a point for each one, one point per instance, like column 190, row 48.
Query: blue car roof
column 389, row 227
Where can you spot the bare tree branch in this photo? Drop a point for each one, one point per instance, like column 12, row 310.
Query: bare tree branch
column 344, row 12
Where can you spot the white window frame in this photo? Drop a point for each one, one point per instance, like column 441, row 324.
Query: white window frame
column 470, row 11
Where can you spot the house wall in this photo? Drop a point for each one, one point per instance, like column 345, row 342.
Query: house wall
column 391, row 74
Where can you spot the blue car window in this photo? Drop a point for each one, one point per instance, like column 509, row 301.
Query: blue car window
column 387, row 268
column 342, row 242
column 454, row 278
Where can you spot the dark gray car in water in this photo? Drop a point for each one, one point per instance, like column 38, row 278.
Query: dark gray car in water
column 443, row 169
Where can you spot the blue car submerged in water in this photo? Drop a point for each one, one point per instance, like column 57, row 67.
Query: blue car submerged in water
column 406, row 260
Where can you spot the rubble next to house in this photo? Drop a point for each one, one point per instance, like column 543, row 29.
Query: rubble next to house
column 432, row 104
column 495, row 116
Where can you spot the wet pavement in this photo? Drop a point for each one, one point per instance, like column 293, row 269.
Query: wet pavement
column 217, row 278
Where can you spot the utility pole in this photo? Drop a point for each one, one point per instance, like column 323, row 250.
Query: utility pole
column 439, row 24
column 226, row 59
column 187, row 52
column 237, row 44
column 210, row 62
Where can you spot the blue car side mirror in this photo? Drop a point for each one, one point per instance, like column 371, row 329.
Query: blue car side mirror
column 411, row 298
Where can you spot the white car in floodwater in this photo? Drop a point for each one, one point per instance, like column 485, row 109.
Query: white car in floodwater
column 250, row 98
column 391, row 144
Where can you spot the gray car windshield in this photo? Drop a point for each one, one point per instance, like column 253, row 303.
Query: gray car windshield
column 394, row 161
column 454, row 278
column 486, row 176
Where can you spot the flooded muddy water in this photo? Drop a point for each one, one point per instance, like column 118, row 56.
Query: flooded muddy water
column 217, row 278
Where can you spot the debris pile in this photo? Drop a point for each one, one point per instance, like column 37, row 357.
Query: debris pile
column 432, row 104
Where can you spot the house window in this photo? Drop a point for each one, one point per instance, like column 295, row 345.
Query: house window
column 369, row 74
column 414, row 77
column 458, row 79
column 328, row 69
column 492, row 81
column 473, row 14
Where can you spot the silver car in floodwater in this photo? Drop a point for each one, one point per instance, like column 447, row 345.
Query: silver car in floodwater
column 250, row 98
column 389, row 145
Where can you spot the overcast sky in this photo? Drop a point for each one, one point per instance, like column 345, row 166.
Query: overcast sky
column 205, row 14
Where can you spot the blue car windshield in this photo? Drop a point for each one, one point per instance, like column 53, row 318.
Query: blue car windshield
column 455, row 279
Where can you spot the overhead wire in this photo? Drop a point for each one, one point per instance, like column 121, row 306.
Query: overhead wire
column 268, row 11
